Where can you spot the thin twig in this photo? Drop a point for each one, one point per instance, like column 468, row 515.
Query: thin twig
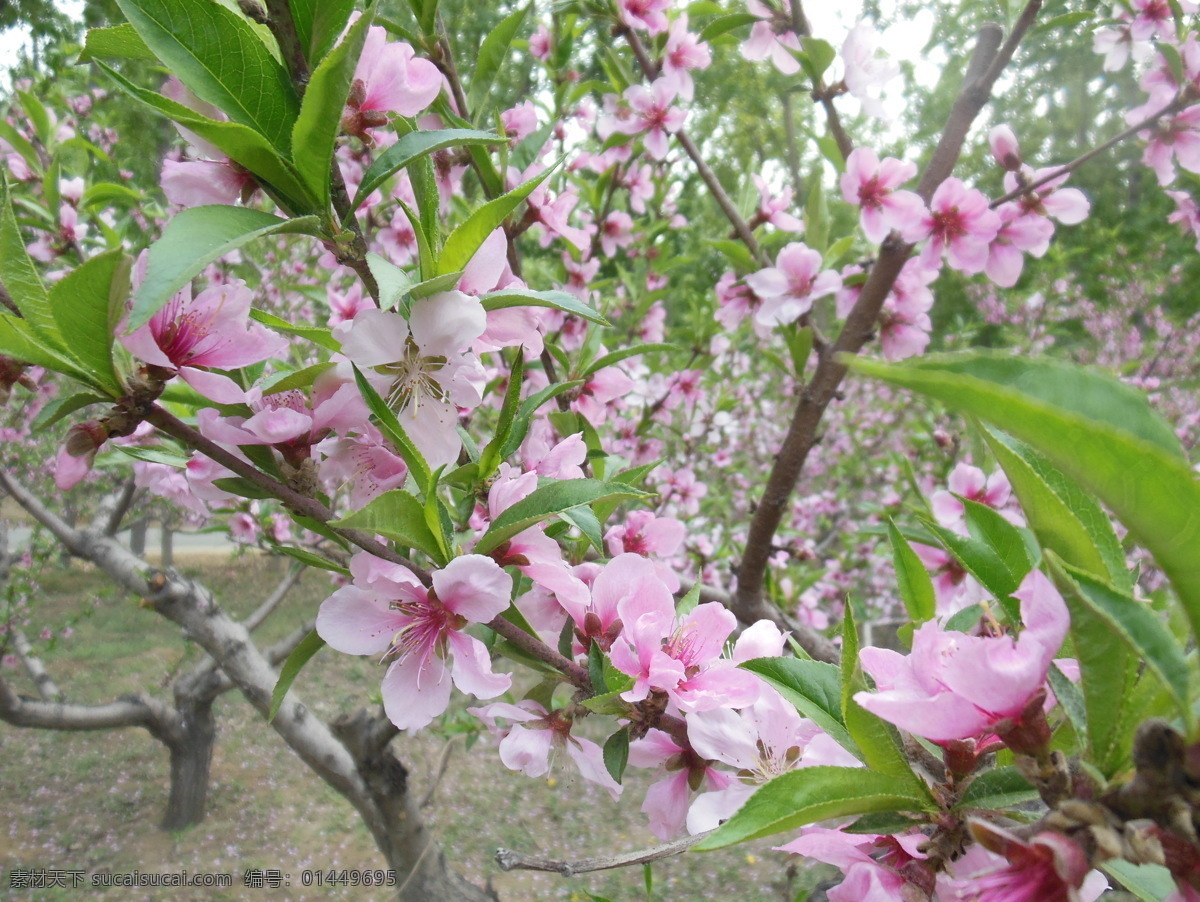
column 295, row 501
column 706, row 174
column 272, row 601
column 508, row 860
column 1174, row 106
column 443, row 763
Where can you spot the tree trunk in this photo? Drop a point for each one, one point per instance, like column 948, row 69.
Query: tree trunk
column 399, row 830
column 191, row 762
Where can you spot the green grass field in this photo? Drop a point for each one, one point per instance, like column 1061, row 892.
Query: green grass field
column 92, row 801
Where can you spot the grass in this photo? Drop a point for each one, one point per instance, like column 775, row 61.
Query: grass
column 92, row 801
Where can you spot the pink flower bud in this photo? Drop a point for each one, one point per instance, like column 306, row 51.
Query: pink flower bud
column 1005, row 148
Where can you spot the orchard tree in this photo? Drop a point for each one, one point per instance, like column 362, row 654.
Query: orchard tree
column 531, row 331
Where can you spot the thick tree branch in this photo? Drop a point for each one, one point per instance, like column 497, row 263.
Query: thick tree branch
column 509, row 860
column 47, row 689
column 128, row 711
column 859, row 327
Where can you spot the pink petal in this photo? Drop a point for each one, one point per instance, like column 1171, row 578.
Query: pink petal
column 415, row 691
column 355, row 622
column 473, row 667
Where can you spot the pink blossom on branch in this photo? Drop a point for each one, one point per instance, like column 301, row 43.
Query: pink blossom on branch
column 386, row 611
column 960, row 225
column 213, row 329
column 873, row 186
column 772, row 38
column 955, row 686
column 789, row 288
column 684, row 52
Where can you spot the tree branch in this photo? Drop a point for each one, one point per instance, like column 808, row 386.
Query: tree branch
column 300, row 504
column 508, row 860
column 42, row 681
column 858, row 329
column 264, row 610
column 706, row 174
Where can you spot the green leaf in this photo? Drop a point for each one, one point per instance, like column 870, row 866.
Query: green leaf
column 319, row 23
column 301, row 655
column 1135, row 624
column 585, row 520
column 1149, row 882
column 312, row 559
column 1097, row 431
column 243, row 488
column 414, row 146
column 1070, row 700
column 736, row 252
column 877, row 740
column 989, row 526
column 912, row 579
column 20, row 277
column 390, row 426
column 820, row 54
column 121, row 42
column 490, row 459
column 63, row 406
column 301, row 380
column 467, row 237
column 195, row 238
column 814, row 687
column 813, row 794
column 163, row 454
column 240, row 143
column 548, row 500
column 725, row 24
column 399, row 516
column 219, row 56
column 492, row 53
column 1001, row 787
column 623, row 353
column 616, row 754
column 318, row 335
column 18, row 342
column 979, row 558
column 556, row 300
column 320, row 119
column 86, row 312
column 394, row 283
column 1066, row 519
column 526, row 411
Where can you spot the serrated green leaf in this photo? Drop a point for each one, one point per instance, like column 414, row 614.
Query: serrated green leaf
column 1138, row 626
column 218, row 55
column 813, row 794
column 399, row 516
column 64, row 405
column 20, row 277
column 319, row 23
column 546, row 501
column 490, row 458
column 301, row 655
column 1016, row 552
column 724, row 24
column 319, row 121
column 1066, row 519
column 491, row 56
column 877, row 741
column 414, row 146
column 624, row 353
column 1149, row 882
column 556, row 300
column 18, row 342
column 466, row 239
column 815, row 689
column 978, row 558
column 616, row 754
column 154, row 455
column 195, row 238
column 300, row 380
column 312, row 559
column 912, row 579
column 1097, row 431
